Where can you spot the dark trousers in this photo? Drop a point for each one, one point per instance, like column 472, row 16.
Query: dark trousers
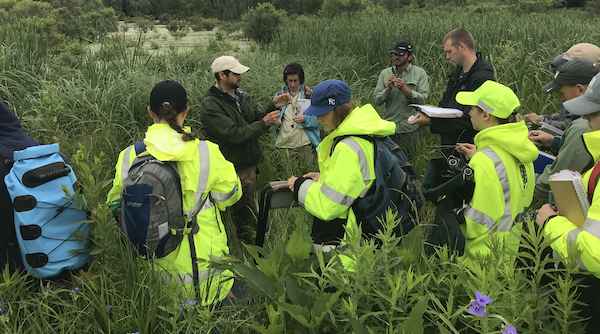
column 590, row 295
column 244, row 211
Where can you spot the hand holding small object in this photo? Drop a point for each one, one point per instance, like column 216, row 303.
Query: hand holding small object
column 543, row 213
column 540, row 138
column 281, row 100
column 412, row 118
column 532, row 116
column 421, row 120
column 467, row 149
column 272, row 118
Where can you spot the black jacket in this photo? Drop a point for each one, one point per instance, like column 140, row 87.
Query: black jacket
column 12, row 138
column 235, row 129
column 460, row 129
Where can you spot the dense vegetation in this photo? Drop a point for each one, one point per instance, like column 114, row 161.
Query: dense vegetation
column 94, row 105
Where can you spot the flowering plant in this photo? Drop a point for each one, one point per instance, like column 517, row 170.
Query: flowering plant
column 478, row 309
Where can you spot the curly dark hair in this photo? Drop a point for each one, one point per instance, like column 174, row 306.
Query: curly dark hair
column 293, row 69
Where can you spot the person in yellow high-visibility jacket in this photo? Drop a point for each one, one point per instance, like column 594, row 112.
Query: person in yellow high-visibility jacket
column 203, row 172
column 586, row 238
column 502, row 162
column 346, row 173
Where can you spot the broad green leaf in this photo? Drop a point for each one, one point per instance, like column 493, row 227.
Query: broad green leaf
column 414, row 323
column 256, row 280
column 324, row 303
column 298, row 248
column 84, row 167
column 301, row 314
column 296, row 295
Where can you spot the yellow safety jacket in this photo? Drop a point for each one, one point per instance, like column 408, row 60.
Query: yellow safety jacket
column 348, row 173
column 587, row 238
column 204, row 172
column 504, row 182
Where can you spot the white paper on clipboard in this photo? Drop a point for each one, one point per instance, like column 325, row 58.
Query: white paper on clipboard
column 303, row 104
column 437, row 112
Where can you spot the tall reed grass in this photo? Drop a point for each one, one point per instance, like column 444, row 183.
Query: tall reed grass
column 98, row 104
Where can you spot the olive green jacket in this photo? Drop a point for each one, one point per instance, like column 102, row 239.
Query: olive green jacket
column 234, row 128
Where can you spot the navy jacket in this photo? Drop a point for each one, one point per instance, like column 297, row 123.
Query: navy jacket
column 12, row 138
column 460, row 130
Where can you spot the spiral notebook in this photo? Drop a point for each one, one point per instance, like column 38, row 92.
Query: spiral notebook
column 570, row 196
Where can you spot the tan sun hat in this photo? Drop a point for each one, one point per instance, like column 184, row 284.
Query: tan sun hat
column 228, row 63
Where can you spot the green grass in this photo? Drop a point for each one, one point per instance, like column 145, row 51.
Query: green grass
column 99, row 102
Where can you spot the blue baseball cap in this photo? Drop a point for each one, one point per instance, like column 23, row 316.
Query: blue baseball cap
column 327, row 95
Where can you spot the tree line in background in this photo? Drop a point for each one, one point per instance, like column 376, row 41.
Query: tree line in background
column 234, row 9
column 69, row 25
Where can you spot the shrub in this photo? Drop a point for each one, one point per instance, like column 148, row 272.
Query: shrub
column 199, row 23
column 165, row 18
column 144, row 24
column 178, row 26
column 230, row 26
column 154, row 45
column 333, row 8
column 262, row 23
column 593, row 6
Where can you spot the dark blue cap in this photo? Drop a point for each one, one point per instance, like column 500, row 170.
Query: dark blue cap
column 327, row 95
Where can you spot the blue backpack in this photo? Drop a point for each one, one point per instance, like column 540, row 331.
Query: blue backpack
column 395, row 188
column 46, row 219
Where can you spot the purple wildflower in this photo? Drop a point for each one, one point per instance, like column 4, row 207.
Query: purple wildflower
column 482, row 299
column 508, row 329
column 477, row 309
column 188, row 305
column 107, row 307
column 74, row 291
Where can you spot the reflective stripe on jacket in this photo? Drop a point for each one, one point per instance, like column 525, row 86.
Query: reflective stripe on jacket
column 504, row 182
column 204, row 172
column 587, row 239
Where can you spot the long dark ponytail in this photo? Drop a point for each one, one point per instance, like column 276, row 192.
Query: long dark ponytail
column 167, row 100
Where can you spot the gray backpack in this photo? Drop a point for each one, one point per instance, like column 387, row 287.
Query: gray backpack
column 151, row 205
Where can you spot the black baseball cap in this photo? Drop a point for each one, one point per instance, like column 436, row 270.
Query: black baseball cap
column 401, row 48
column 571, row 73
column 171, row 91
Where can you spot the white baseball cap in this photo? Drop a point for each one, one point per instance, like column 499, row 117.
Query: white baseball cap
column 228, row 63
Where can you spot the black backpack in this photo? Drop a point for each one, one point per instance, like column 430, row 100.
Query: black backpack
column 395, row 188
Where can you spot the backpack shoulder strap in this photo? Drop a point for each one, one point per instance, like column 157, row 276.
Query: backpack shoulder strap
column 593, row 181
column 140, row 147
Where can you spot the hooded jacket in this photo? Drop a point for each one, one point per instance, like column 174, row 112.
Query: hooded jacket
column 454, row 130
column 234, row 128
column 504, row 182
column 348, row 172
column 12, row 138
column 203, row 172
column 573, row 155
column 587, row 239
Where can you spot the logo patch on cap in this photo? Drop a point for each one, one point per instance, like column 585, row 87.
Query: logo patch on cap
column 331, row 101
